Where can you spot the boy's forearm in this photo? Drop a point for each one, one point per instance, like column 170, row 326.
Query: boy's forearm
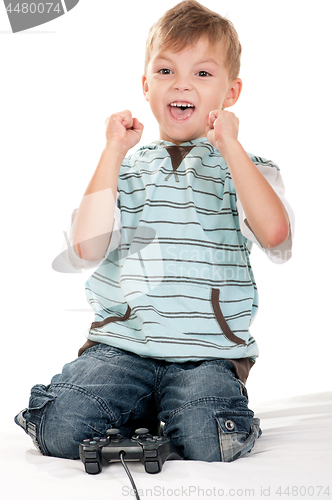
column 95, row 216
column 107, row 171
column 264, row 210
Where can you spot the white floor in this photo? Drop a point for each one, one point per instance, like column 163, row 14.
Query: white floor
column 292, row 459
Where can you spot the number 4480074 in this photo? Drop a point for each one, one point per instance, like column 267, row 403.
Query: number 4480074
column 304, row 491
column 32, row 8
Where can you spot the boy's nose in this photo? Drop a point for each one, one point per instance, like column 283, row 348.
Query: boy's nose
column 182, row 85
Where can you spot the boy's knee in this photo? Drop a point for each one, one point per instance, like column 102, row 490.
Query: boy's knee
column 213, row 432
column 60, row 416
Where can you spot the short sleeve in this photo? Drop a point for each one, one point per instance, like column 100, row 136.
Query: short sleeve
column 69, row 262
column 283, row 252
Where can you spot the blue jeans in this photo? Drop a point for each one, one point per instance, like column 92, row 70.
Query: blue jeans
column 202, row 404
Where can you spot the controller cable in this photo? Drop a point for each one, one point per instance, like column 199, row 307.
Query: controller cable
column 122, row 454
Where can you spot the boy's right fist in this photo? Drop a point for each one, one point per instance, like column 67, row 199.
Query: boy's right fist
column 123, row 130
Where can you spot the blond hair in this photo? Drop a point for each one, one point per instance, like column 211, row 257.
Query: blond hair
column 189, row 21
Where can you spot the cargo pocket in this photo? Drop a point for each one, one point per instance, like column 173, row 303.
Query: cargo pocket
column 40, row 397
column 31, row 419
column 238, row 431
column 221, row 319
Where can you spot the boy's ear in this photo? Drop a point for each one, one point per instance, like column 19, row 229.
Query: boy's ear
column 233, row 93
column 145, row 86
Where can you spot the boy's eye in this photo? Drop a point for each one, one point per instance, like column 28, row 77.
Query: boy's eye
column 203, row 73
column 164, row 71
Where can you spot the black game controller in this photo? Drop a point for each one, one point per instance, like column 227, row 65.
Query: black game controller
column 152, row 451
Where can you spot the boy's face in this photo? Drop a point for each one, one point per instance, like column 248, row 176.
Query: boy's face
column 195, row 77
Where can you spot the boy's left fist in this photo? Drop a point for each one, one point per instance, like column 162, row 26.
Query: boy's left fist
column 222, row 127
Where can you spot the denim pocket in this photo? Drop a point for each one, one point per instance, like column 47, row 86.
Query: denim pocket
column 31, row 419
column 237, row 434
column 234, row 420
column 39, row 397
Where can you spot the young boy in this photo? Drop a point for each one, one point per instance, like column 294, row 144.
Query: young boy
column 172, row 227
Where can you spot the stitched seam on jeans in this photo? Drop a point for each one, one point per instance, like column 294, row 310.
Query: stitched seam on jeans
column 43, row 446
column 195, row 402
column 131, row 411
column 233, row 412
column 220, row 445
column 87, row 393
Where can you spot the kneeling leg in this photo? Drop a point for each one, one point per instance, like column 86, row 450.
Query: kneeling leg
column 205, row 411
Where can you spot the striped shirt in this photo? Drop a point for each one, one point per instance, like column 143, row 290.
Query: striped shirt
column 179, row 285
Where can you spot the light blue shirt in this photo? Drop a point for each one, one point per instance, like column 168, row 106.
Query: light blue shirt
column 179, row 285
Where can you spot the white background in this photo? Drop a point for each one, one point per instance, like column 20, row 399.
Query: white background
column 58, row 84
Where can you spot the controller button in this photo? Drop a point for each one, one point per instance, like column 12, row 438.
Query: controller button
column 112, row 432
column 90, row 454
column 93, row 442
column 150, row 453
column 92, row 467
column 152, row 467
column 141, row 431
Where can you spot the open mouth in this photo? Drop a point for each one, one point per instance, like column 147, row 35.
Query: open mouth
column 181, row 110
